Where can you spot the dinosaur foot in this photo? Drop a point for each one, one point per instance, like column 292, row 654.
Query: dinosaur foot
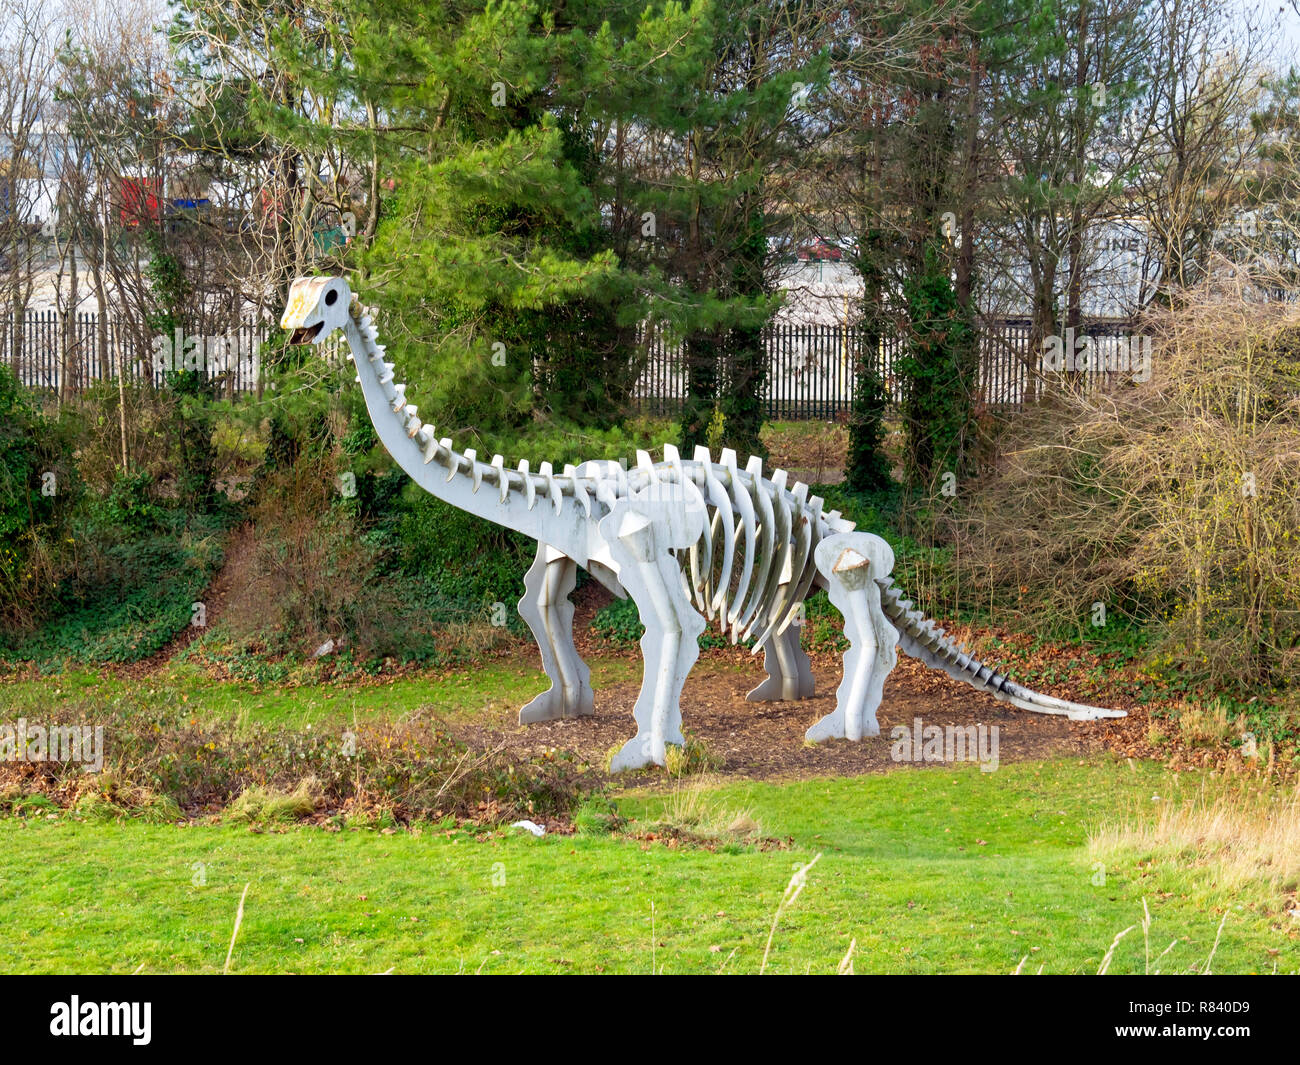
column 642, row 751
column 831, row 727
column 554, row 705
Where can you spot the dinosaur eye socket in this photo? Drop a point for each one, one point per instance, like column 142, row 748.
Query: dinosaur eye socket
column 331, row 298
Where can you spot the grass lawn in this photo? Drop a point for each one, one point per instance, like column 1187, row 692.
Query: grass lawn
column 928, row 870
column 496, row 687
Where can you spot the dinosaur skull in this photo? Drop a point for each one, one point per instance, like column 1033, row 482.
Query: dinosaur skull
column 317, row 306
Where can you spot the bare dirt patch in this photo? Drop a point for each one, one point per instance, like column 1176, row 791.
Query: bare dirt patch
column 239, row 550
column 765, row 740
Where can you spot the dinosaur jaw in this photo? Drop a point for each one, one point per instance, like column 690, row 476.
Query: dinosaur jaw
column 307, row 334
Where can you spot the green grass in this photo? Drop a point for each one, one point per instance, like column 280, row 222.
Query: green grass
column 934, row 870
column 498, row 688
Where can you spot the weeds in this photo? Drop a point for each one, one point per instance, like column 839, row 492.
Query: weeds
column 690, row 812
column 260, row 806
column 161, row 758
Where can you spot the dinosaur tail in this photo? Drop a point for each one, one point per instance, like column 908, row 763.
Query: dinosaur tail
column 919, row 637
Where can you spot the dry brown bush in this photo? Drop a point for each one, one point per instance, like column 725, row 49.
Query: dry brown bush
column 306, row 573
column 1174, row 500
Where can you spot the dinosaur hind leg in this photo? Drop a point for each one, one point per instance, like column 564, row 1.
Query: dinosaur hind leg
column 548, row 612
column 789, row 673
column 850, row 563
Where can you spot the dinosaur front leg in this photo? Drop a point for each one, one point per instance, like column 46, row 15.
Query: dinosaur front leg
column 652, row 577
column 850, row 563
column 789, row 672
column 548, row 612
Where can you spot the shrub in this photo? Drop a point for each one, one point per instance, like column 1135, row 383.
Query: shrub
column 467, row 559
column 38, row 492
column 120, row 601
column 161, row 756
column 128, row 508
column 306, row 574
column 1171, row 501
column 693, row 757
column 618, row 623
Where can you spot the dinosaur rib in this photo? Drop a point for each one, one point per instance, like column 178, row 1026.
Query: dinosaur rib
column 816, row 533
column 779, row 558
column 795, row 564
column 763, row 551
column 724, row 518
column 745, row 507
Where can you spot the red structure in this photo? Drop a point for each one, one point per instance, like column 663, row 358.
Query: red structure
column 141, row 201
column 820, row 251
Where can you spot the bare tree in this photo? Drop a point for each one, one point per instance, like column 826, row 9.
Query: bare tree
column 284, row 189
column 1192, row 174
column 116, row 115
column 26, row 51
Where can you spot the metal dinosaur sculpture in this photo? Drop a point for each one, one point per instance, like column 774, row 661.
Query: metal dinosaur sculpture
column 681, row 537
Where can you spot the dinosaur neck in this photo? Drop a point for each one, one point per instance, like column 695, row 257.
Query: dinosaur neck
column 558, row 509
column 541, row 504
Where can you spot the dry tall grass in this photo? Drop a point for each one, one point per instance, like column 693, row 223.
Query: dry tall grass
column 692, row 809
column 1238, row 837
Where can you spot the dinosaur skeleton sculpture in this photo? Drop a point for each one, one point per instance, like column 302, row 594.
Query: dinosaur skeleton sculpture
column 681, row 537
